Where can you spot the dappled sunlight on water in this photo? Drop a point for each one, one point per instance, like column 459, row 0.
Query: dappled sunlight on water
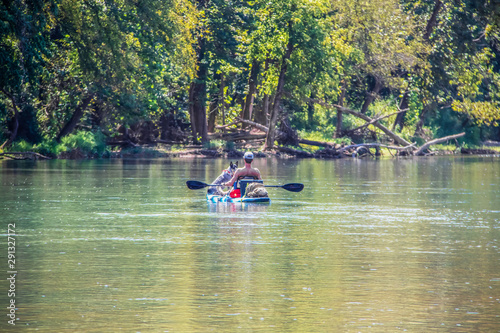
column 368, row 245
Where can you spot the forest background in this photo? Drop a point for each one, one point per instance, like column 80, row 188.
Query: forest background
column 90, row 74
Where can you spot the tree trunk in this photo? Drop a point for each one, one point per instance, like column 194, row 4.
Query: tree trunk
column 261, row 114
column 75, row 118
column 421, row 119
column 198, row 96
column 431, row 24
column 370, row 97
column 263, row 117
column 252, row 88
column 340, row 115
column 400, row 118
column 191, row 113
column 215, row 103
column 310, row 112
column 279, row 93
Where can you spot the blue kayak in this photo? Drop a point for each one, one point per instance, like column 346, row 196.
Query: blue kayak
column 226, row 198
column 240, row 184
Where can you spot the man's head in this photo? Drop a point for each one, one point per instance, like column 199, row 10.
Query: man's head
column 248, row 157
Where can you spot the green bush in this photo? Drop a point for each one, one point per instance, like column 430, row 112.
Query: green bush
column 21, row 146
column 229, row 145
column 47, row 148
column 86, row 142
column 214, row 144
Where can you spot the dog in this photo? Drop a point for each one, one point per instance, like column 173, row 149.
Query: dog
column 224, row 177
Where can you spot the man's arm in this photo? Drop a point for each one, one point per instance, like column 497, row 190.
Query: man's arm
column 235, row 176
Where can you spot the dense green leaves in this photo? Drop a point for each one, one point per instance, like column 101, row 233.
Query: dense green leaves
column 97, row 65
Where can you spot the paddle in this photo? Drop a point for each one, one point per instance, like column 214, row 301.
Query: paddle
column 292, row 187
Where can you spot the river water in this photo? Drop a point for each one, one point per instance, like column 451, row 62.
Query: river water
column 368, row 246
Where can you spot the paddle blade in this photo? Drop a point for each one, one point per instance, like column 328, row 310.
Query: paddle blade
column 293, row 187
column 195, row 185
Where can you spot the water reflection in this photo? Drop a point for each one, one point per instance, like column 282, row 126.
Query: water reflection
column 387, row 245
column 233, row 207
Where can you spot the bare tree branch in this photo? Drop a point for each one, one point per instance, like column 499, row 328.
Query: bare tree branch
column 420, row 151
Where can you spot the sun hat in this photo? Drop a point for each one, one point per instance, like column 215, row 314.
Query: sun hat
column 248, row 155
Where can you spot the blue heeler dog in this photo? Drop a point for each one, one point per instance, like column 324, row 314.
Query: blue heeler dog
column 224, row 177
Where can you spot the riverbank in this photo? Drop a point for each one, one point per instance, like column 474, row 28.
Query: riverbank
column 335, row 152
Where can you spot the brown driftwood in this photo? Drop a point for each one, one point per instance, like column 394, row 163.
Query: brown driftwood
column 422, row 149
column 25, row 155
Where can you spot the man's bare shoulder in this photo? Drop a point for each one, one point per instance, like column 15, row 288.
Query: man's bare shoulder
column 258, row 173
column 239, row 171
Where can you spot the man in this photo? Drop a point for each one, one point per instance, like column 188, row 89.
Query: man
column 246, row 171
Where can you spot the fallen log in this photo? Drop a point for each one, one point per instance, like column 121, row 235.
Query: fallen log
column 316, row 143
column 25, row 155
column 384, row 129
column 377, row 145
column 420, row 151
column 227, row 125
column 253, row 124
column 467, row 151
column 490, row 143
column 375, row 122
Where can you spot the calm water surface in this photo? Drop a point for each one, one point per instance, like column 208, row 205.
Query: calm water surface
column 368, row 246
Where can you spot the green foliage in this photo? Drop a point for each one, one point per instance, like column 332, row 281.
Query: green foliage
column 141, row 151
column 48, row 148
column 21, row 146
column 86, row 142
column 229, row 145
column 137, row 61
column 321, row 136
column 214, row 144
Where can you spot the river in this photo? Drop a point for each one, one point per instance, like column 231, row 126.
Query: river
column 368, row 246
